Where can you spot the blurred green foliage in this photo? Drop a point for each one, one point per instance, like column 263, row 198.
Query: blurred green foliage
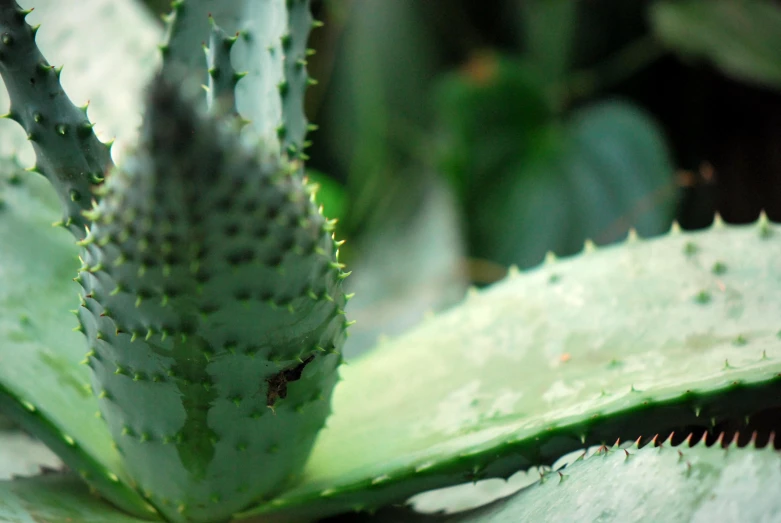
column 458, row 138
column 741, row 37
column 531, row 181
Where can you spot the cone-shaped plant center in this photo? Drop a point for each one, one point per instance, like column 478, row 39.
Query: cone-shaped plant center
column 214, row 310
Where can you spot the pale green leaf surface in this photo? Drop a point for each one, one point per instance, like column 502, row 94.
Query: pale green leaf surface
column 741, row 37
column 621, row 342
column 258, row 53
column 55, row 498
column 682, row 484
column 42, row 383
column 697, row 484
column 22, row 455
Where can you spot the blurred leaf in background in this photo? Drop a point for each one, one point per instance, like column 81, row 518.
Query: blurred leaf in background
column 330, row 194
column 374, row 118
column 457, row 138
column 530, row 180
column 741, row 37
column 549, row 27
column 404, row 244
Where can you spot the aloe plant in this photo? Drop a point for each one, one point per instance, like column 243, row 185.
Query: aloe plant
column 209, row 301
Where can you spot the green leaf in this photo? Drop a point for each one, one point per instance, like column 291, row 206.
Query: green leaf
column 620, row 342
column 269, row 56
column 330, row 194
column 609, row 163
column 67, row 151
column 42, row 384
column 664, row 483
column 490, row 115
column 108, row 65
column 656, row 484
column 549, row 26
column 375, row 121
column 55, row 498
column 741, row 37
column 513, row 163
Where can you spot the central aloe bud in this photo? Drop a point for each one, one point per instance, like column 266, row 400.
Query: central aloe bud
column 214, row 309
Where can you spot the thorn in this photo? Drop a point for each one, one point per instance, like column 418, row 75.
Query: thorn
column 589, row 246
column 764, row 225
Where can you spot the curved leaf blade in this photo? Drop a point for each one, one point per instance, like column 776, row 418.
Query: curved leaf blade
column 622, row 342
column 42, row 384
column 56, row 498
column 665, row 483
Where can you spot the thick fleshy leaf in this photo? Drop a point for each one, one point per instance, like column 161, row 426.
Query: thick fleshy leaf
column 270, row 55
column 623, row 341
column 42, row 384
column 742, row 38
column 55, row 498
column 665, row 483
column 107, row 65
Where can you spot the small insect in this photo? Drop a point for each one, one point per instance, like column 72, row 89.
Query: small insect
column 277, row 384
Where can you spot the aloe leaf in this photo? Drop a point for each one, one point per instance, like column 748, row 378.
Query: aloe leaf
column 42, row 385
column 55, row 498
column 663, row 483
column 213, row 291
column 654, row 483
column 270, row 55
column 67, row 151
column 617, row 342
column 221, row 94
column 92, row 73
column 294, row 50
column 256, row 53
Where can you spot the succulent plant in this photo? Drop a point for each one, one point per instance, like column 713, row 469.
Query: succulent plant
column 209, row 300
